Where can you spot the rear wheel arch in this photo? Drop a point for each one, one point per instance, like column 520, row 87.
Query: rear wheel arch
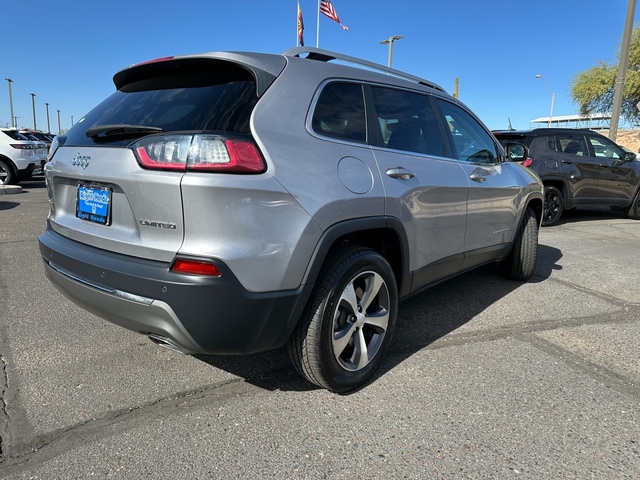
column 559, row 184
column 383, row 235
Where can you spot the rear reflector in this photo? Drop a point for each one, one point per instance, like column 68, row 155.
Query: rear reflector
column 200, row 152
column 195, row 267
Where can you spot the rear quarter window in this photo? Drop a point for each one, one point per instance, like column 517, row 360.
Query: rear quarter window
column 339, row 112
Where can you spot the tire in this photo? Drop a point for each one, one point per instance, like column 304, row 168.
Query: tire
column 334, row 346
column 553, row 206
column 7, row 174
column 521, row 262
column 634, row 210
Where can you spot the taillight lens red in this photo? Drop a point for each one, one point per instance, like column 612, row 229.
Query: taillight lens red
column 195, row 267
column 200, row 152
column 527, row 162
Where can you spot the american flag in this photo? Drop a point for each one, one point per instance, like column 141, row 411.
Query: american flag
column 300, row 27
column 326, row 8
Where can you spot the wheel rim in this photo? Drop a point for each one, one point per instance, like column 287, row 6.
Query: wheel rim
column 360, row 321
column 4, row 175
column 552, row 207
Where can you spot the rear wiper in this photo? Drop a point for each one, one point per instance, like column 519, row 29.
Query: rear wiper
column 120, row 129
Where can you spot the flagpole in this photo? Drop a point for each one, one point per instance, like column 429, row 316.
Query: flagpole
column 318, row 27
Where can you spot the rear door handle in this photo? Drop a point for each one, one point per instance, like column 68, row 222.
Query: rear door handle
column 400, row 172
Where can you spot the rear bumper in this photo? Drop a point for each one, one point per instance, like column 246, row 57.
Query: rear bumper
column 191, row 314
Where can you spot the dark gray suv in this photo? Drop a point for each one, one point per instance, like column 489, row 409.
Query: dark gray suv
column 578, row 167
column 229, row 203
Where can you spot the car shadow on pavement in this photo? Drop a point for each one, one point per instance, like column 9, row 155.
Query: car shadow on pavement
column 583, row 214
column 8, row 205
column 422, row 320
column 36, row 182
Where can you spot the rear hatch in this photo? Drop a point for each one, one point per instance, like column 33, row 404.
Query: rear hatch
column 114, row 179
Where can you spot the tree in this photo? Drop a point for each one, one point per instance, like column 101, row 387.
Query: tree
column 593, row 89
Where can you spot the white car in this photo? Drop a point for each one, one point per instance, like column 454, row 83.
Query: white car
column 20, row 157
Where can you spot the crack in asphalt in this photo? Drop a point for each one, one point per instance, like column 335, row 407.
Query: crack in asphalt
column 50, row 445
column 4, row 416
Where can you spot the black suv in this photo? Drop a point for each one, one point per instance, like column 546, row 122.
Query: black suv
column 578, row 168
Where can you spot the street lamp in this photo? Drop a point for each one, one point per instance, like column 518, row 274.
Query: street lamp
column 553, row 96
column 33, row 104
column 59, row 130
column 48, row 124
column 9, row 81
column 390, row 41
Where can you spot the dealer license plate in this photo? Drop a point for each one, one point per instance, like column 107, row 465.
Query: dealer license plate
column 94, row 204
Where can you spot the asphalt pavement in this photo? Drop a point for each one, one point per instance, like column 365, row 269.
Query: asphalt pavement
column 486, row 378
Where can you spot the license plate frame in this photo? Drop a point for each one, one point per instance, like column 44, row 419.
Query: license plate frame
column 93, row 203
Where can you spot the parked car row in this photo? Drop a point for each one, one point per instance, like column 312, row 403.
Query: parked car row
column 578, row 168
column 21, row 155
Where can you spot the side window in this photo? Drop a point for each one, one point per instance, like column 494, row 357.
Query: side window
column 572, row 145
column 605, row 149
column 541, row 145
column 471, row 141
column 407, row 121
column 339, row 112
column 551, row 142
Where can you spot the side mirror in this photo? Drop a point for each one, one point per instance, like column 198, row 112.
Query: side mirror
column 629, row 156
column 516, row 152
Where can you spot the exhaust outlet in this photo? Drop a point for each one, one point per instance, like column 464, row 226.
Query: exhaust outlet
column 166, row 343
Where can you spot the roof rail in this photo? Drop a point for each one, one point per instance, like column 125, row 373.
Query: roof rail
column 327, row 55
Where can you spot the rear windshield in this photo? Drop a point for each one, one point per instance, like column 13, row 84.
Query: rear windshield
column 509, row 138
column 15, row 135
column 222, row 107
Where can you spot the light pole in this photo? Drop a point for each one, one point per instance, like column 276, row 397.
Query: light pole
column 48, row 124
column 9, row 81
column 390, row 41
column 553, row 96
column 72, row 120
column 59, row 130
column 33, row 104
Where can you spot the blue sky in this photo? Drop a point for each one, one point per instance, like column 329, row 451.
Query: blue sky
column 66, row 52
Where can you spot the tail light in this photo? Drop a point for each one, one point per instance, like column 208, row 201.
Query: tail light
column 24, row 146
column 200, row 152
column 527, row 162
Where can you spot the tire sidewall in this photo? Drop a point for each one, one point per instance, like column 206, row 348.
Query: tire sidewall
column 548, row 191
column 336, row 375
column 11, row 174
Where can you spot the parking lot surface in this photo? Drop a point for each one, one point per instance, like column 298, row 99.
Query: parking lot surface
column 486, row 378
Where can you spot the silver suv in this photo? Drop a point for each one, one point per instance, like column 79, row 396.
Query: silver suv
column 230, row 203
